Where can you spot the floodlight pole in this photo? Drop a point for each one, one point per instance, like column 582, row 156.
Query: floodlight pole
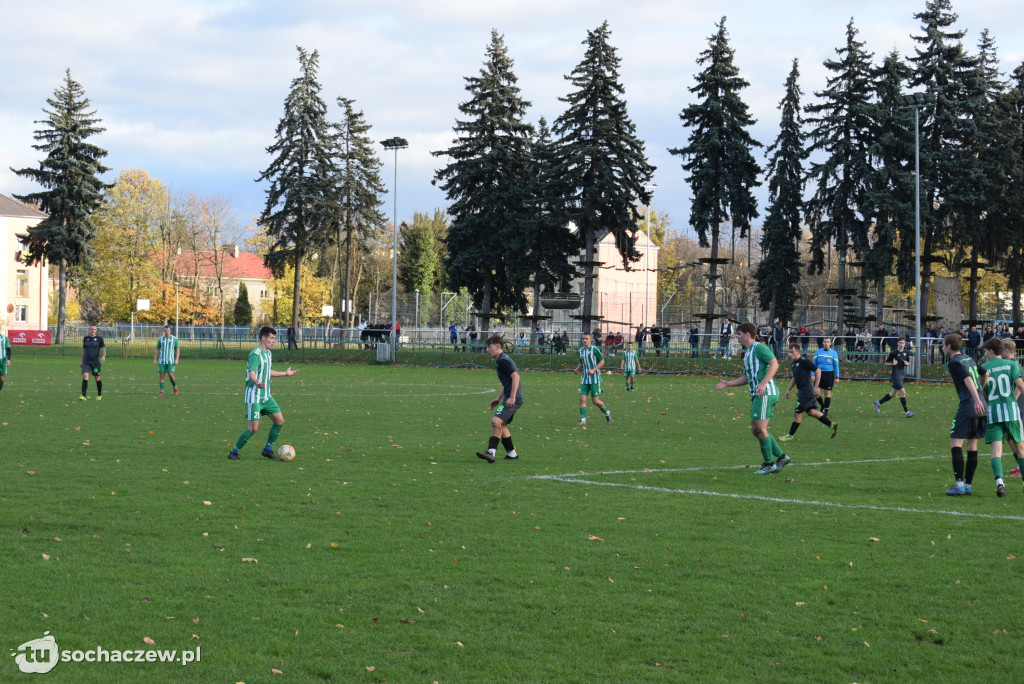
column 395, row 144
column 917, row 101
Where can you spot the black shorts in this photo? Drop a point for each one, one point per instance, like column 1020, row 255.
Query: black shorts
column 828, row 380
column 93, row 368
column 804, row 405
column 506, row 413
column 966, row 425
column 897, row 382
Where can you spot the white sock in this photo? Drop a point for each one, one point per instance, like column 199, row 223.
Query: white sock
column 999, row 481
column 492, row 451
column 513, row 454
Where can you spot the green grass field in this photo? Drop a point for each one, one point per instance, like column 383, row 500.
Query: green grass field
column 644, row 550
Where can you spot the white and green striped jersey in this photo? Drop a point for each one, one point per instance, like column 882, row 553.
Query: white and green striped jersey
column 756, row 362
column 260, row 362
column 629, row 361
column 1002, row 379
column 166, row 348
column 589, row 358
column 5, row 349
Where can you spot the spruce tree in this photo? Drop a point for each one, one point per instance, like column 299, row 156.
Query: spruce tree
column 1012, row 205
column 70, row 173
column 243, row 307
column 842, row 130
column 993, row 143
column 779, row 271
column 302, row 173
column 940, row 67
column 545, row 252
column 719, row 155
column 487, row 183
column 359, row 192
column 602, row 162
column 890, row 195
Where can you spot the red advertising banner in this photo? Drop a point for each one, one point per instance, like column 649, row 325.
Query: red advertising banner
column 31, row 337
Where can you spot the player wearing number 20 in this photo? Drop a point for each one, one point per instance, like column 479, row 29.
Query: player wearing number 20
column 1003, row 413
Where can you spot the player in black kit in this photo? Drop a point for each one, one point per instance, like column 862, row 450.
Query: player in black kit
column 899, row 359
column 806, row 376
column 508, row 402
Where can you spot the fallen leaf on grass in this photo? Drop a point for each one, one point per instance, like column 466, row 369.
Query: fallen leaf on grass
column 207, row 503
column 593, row 538
column 249, row 560
column 148, row 640
column 45, row 557
column 874, row 539
column 274, row 670
column 371, row 668
column 405, row 620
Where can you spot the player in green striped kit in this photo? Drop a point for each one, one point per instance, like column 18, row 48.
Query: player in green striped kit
column 1004, row 421
column 760, row 366
column 5, row 358
column 629, row 367
column 591, row 363
column 258, row 400
column 166, row 357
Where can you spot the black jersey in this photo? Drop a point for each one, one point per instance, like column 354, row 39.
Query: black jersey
column 803, row 373
column 902, row 359
column 506, row 367
column 962, row 367
column 92, row 346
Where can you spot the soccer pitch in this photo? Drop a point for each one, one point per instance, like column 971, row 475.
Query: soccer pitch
column 643, row 550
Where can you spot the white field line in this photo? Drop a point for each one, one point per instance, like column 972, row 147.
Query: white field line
column 577, row 478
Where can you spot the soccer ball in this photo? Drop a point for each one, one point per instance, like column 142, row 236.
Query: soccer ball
column 286, row 453
column 609, row 372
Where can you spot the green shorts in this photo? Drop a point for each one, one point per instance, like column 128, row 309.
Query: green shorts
column 628, row 373
column 165, row 368
column 996, row 432
column 763, row 408
column 257, row 409
column 592, row 389
column 3, row 367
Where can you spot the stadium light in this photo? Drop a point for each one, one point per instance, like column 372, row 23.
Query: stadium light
column 395, row 144
column 917, row 101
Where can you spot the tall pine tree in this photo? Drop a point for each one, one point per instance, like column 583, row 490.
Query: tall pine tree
column 890, row 194
column 70, row 173
column 1013, row 204
column 487, row 183
column 779, row 271
column 545, row 251
column 941, row 67
column 719, row 155
column 359, row 193
column 302, row 173
column 602, row 162
column 842, row 130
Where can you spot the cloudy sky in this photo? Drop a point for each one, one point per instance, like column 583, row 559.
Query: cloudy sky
column 191, row 91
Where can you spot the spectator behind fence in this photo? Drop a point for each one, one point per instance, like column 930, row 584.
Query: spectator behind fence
column 694, row 340
column 724, row 336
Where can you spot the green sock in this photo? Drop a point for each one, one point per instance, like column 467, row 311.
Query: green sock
column 242, row 439
column 1020, row 463
column 173, row 383
column 766, row 449
column 275, row 431
column 161, row 387
column 776, row 449
column 604, row 409
column 583, row 412
column 997, row 466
